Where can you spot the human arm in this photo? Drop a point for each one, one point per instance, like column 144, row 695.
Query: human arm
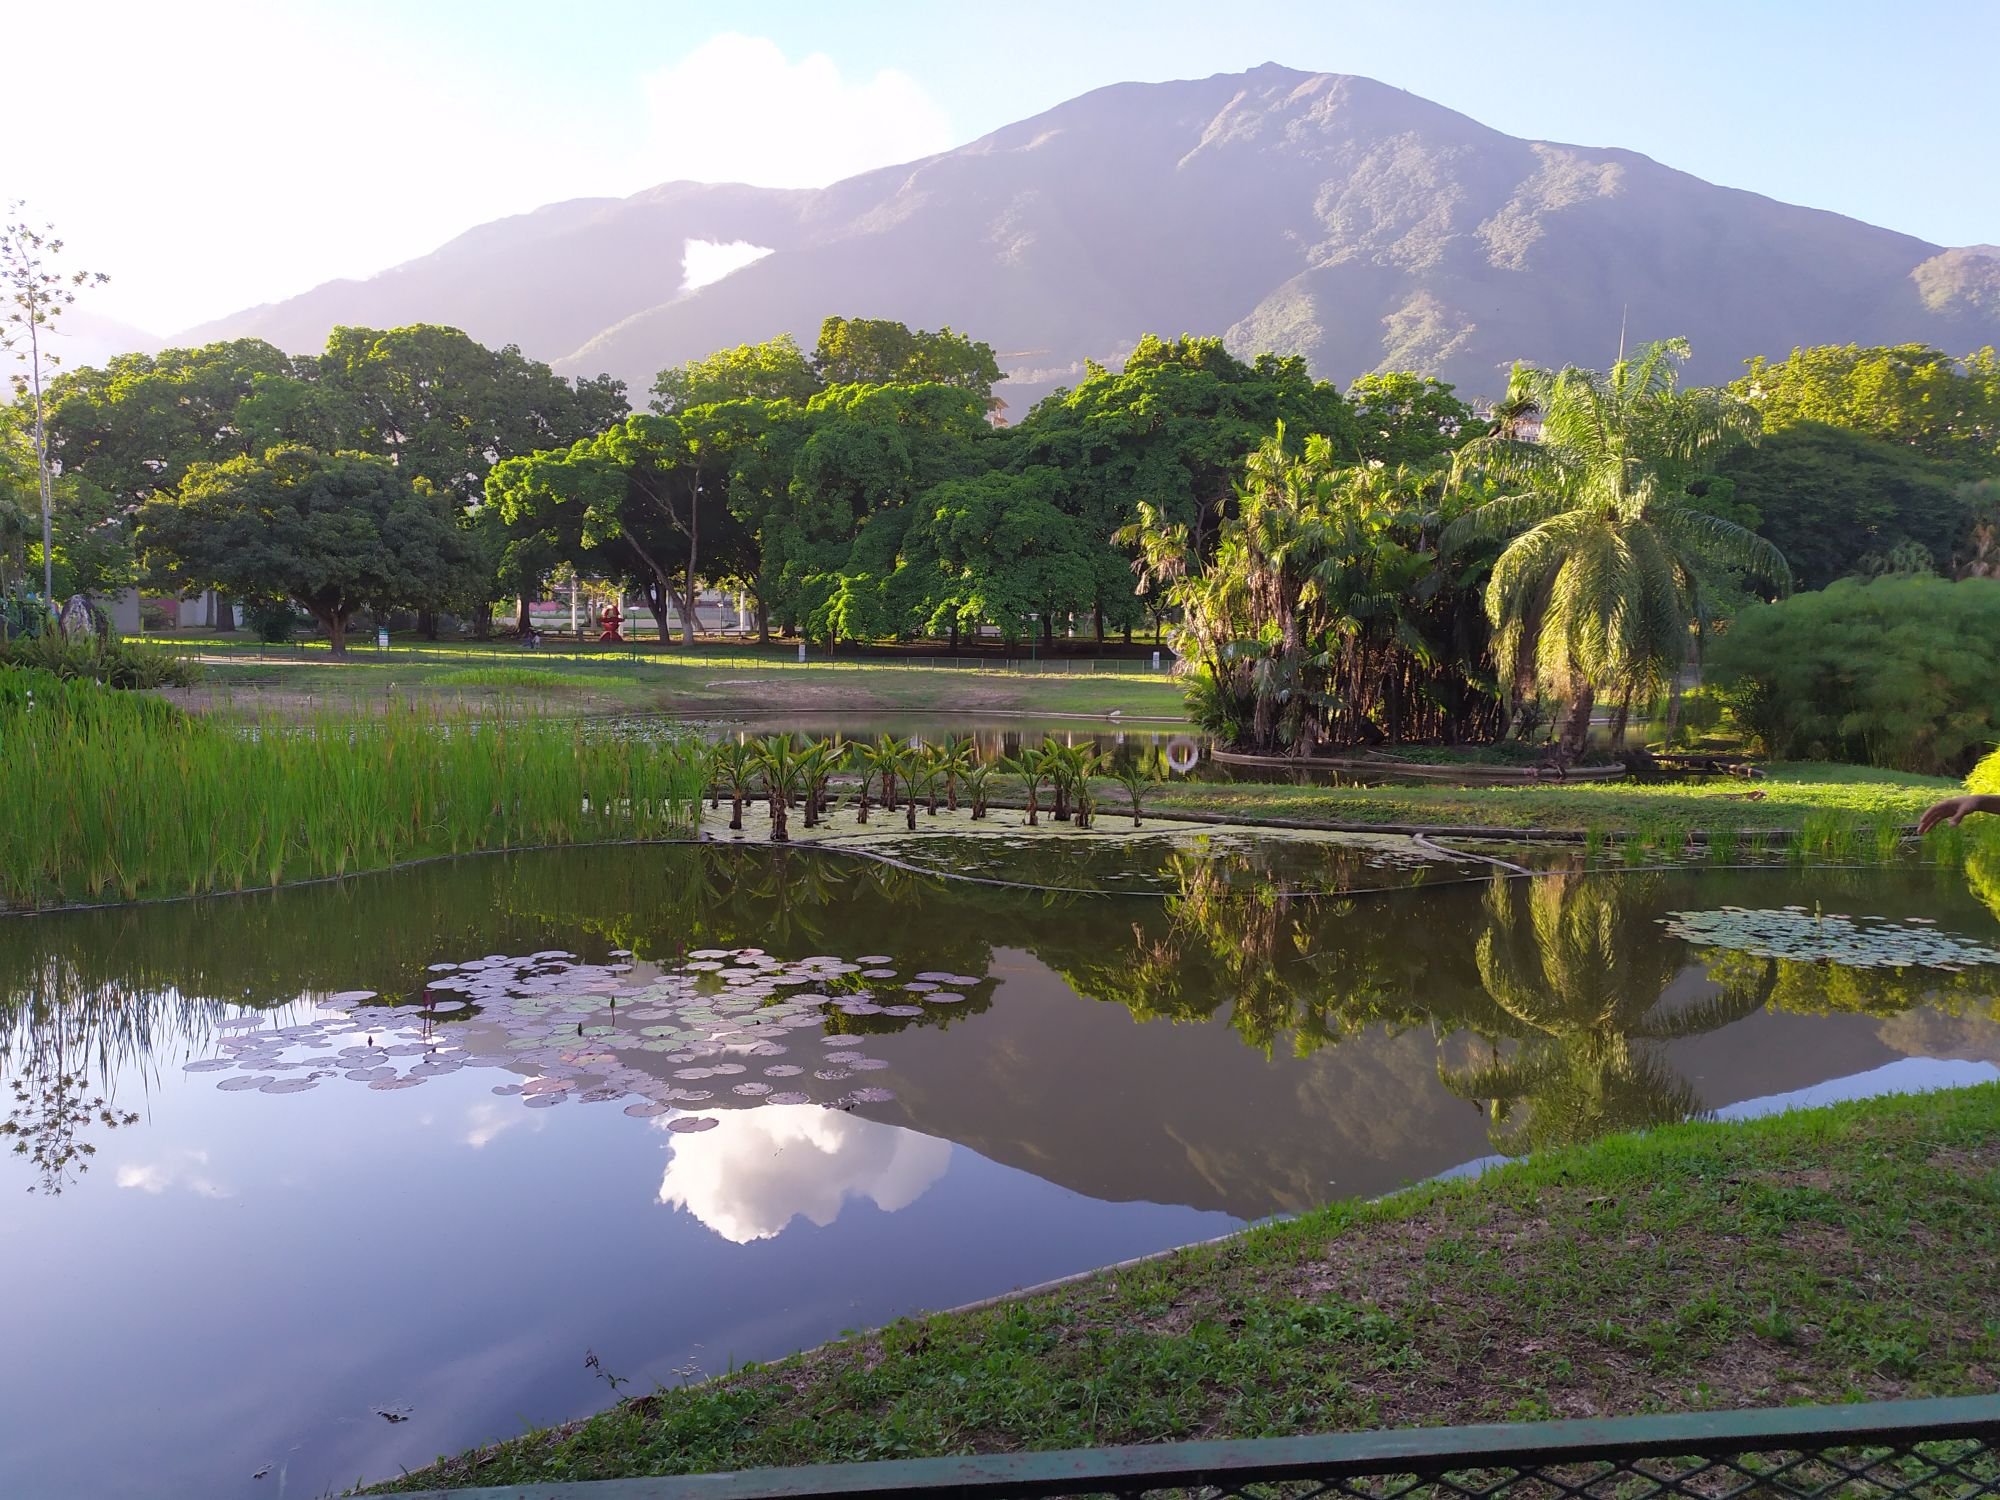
column 1955, row 810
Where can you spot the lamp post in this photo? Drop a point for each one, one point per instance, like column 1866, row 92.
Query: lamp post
column 1034, row 637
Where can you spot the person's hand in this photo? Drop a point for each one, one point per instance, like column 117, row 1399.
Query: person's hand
column 1954, row 810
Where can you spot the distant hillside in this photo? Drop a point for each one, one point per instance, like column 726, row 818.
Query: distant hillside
column 1319, row 214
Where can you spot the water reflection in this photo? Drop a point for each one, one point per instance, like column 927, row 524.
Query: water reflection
column 1117, row 1075
column 760, row 1170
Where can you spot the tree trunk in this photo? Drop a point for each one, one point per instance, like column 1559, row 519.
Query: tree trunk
column 954, row 637
column 779, row 833
column 336, row 632
column 1576, row 733
column 427, row 624
column 763, row 624
column 911, row 810
column 524, row 620
column 1619, row 719
column 1097, row 621
column 736, row 811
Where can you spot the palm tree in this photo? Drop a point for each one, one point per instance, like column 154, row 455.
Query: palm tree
column 781, row 767
column 1576, row 970
column 1056, row 769
column 1600, row 581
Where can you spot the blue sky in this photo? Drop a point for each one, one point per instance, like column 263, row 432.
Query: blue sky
column 217, row 153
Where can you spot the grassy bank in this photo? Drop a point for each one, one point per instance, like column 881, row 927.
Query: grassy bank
column 1829, row 1255
column 117, row 796
column 713, row 682
column 1795, row 797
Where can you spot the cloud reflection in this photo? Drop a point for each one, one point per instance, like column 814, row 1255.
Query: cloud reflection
column 178, row 1168
column 759, row 1169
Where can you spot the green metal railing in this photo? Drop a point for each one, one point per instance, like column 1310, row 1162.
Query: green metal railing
column 1907, row 1450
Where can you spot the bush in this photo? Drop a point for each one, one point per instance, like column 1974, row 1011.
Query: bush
column 274, row 622
column 1900, row 672
column 23, row 616
column 115, row 663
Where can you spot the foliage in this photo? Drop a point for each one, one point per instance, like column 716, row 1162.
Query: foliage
column 115, row 663
column 1900, row 672
column 1605, row 560
column 335, row 533
column 1326, row 613
column 1837, row 502
column 775, row 370
column 1407, row 419
column 157, row 803
column 877, row 351
column 1909, row 394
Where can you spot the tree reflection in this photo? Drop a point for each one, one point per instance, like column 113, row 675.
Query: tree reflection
column 1575, row 971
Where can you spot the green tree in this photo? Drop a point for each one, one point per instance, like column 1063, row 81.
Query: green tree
column 1406, row 419
column 878, row 351
column 775, row 370
column 1911, row 394
column 136, row 425
column 1833, row 500
column 1601, row 579
column 334, row 533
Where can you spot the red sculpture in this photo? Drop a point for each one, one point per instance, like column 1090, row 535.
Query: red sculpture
column 610, row 618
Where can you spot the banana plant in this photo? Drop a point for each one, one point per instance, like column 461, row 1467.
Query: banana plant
column 1083, row 762
column 734, row 765
column 780, row 765
column 960, row 756
column 1033, row 771
column 922, row 773
column 976, row 777
column 1137, row 772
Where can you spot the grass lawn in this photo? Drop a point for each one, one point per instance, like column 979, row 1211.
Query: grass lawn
column 713, row 681
column 1796, row 796
column 1830, row 1255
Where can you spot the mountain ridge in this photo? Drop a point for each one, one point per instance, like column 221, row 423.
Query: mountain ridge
column 1321, row 214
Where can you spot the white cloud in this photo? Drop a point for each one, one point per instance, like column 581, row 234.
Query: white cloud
column 178, row 1168
column 759, row 1169
column 703, row 261
column 737, row 110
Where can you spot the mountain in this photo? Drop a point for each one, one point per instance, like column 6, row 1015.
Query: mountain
column 79, row 337
column 1312, row 213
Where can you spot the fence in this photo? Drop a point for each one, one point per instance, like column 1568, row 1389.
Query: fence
column 1909, row 1450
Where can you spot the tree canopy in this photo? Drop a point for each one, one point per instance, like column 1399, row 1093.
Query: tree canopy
column 333, row 533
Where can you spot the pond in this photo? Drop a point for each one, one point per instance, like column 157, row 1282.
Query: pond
column 313, row 1184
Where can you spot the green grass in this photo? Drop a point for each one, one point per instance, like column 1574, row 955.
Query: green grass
column 1847, row 797
column 714, row 680
column 1829, row 1255
column 117, row 796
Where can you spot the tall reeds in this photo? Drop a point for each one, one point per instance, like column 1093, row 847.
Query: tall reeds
column 103, row 796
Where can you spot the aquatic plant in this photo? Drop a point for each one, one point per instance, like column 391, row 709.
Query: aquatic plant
column 1792, row 932
column 116, row 796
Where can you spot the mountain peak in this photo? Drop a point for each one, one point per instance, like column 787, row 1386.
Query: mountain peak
column 1324, row 214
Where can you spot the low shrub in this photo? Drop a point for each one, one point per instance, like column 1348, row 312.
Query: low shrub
column 114, row 663
column 1898, row 672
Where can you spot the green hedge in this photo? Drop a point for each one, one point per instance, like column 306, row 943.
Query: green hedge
column 1900, row 672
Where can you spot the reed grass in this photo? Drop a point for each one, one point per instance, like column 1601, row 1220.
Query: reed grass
column 111, row 796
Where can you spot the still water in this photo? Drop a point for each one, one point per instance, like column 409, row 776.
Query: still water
column 312, row 1184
